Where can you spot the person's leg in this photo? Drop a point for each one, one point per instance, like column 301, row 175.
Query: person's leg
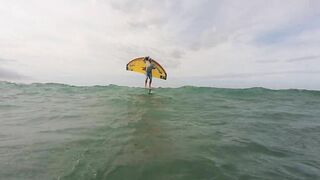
column 149, row 76
column 150, row 81
column 145, row 83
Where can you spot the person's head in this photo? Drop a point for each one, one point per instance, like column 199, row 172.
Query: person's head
column 148, row 59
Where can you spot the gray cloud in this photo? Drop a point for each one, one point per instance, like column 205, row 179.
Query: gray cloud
column 268, row 61
column 177, row 54
column 6, row 74
column 298, row 59
column 194, row 24
column 127, row 5
column 146, row 24
column 143, row 14
column 5, row 60
column 137, row 6
column 260, row 74
column 304, row 58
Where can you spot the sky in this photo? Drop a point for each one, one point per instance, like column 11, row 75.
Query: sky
column 216, row 43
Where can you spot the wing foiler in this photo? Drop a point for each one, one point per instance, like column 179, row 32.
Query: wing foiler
column 139, row 65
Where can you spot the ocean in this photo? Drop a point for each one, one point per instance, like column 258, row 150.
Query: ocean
column 56, row 131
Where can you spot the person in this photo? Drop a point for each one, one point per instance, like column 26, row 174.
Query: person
column 149, row 67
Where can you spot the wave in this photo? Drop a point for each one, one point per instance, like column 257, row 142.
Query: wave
column 187, row 88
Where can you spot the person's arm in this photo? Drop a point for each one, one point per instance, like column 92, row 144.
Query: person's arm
column 156, row 67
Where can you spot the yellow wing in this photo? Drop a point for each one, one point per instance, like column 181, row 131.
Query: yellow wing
column 138, row 65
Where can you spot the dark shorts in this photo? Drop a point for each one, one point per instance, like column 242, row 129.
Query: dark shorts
column 149, row 75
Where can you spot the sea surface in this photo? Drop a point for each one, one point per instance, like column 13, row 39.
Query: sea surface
column 56, row 131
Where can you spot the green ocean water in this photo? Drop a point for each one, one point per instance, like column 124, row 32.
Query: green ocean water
column 55, row 131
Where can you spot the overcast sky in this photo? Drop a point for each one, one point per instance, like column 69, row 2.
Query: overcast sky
column 245, row 43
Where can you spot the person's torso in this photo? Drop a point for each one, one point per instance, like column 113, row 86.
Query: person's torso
column 149, row 66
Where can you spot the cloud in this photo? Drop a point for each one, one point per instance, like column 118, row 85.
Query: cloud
column 260, row 74
column 304, row 58
column 296, row 59
column 4, row 61
column 6, row 74
column 268, row 61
